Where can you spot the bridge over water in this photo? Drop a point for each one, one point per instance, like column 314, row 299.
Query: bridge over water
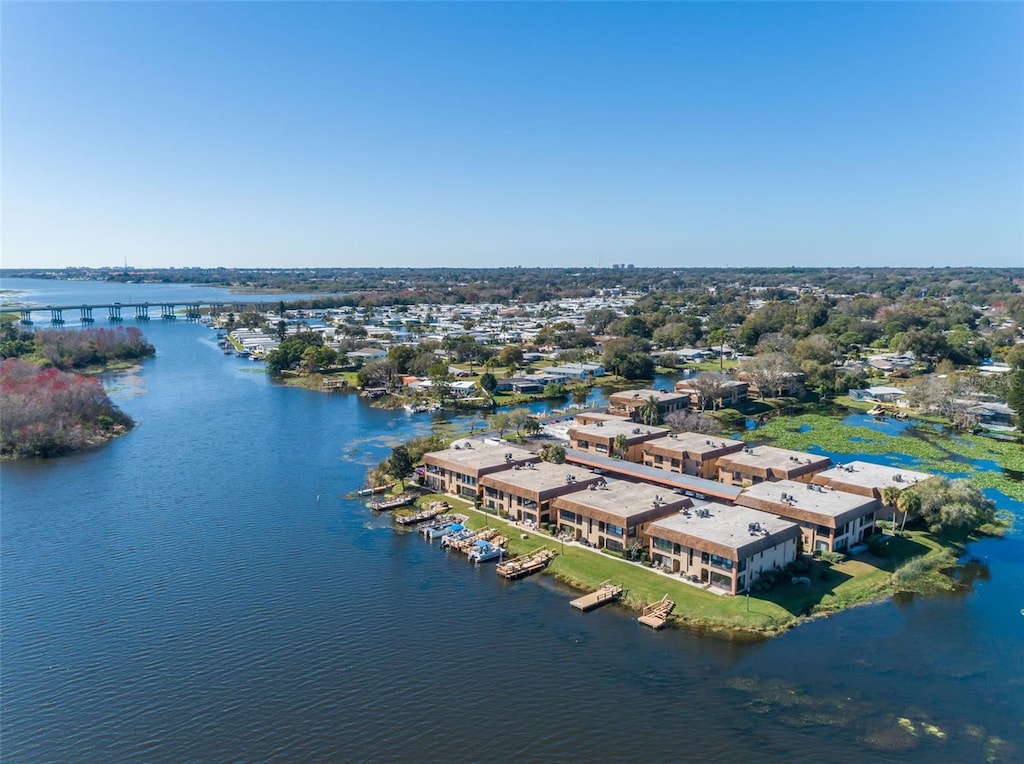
column 118, row 311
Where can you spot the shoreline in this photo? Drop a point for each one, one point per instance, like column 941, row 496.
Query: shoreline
column 855, row 582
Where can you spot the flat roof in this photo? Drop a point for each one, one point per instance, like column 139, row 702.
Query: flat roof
column 542, row 476
column 609, row 428
column 641, row 472
column 624, row 499
column 773, row 459
column 480, row 454
column 642, row 395
column 728, row 527
column 869, row 476
column 806, row 501
column 694, row 442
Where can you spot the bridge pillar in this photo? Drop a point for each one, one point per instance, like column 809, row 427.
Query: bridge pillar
column 114, row 313
column 57, row 316
column 26, row 317
column 142, row 312
column 86, row 315
column 167, row 312
column 192, row 312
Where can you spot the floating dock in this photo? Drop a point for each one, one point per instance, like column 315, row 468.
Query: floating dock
column 657, row 614
column 607, row 592
column 525, row 564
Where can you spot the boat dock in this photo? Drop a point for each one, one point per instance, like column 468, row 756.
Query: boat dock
column 607, row 592
column 526, row 564
column 464, row 545
column 392, row 502
column 435, row 509
column 657, row 614
column 375, row 489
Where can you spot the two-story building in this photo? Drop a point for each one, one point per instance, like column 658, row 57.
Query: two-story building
column 600, row 438
column 629, row 402
column 457, row 470
column 727, row 392
column 757, row 464
column 867, row 478
column 829, row 520
column 689, row 453
column 612, row 513
column 526, row 491
column 726, row 548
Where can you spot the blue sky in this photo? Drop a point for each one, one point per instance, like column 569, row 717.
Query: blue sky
column 345, row 134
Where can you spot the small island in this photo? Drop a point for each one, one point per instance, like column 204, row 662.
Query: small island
column 53, row 404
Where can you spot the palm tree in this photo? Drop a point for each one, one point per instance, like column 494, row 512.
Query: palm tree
column 908, row 502
column 621, row 442
column 649, row 412
column 890, row 498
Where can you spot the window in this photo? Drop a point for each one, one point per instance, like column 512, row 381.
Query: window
column 721, row 562
column 528, row 503
column 613, row 545
column 582, row 444
column 721, row 581
column 569, row 517
column 662, row 544
column 601, row 448
column 742, row 566
column 613, row 530
column 675, row 462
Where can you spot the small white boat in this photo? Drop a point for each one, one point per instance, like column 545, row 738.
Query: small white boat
column 483, row 551
column 440, row 530
column 450, row 538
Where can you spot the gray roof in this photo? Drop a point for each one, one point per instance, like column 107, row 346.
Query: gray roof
column 728, row 527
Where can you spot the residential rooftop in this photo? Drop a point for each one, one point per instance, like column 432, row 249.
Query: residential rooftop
column 622, row 498
column 867, row 477
column 805, row 498
column 610, row 428
column 696, row 443
column 481, row 453
column 729, row 527
column 542, row 476
column 769, row 460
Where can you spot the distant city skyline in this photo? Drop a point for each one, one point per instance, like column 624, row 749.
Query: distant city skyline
column 480, row 135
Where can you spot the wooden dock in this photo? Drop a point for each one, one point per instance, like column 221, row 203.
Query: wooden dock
column 375, row 489
column 657, row 614
column 435, row 509
column 392, row 502
column 464, row 545
column 607, row 592
column 525, row 564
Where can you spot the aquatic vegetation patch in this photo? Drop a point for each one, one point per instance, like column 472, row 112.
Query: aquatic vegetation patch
column 932, row 448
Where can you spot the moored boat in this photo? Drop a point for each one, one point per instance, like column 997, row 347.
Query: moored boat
column 483, row 551
column 435, row 532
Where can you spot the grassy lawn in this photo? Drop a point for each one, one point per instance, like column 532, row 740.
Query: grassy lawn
column 832, row 588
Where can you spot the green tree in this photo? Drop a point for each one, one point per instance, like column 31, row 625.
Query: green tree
column 553, row 452
column 621, row 443
column 1015, row 396
column 649, row 412
column 488, row 383
column 399, row 464
column 579, row 393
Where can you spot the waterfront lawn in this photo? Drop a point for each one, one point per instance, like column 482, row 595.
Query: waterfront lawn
column 832, row 588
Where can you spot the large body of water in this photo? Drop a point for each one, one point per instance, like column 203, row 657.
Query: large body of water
column 202, row 590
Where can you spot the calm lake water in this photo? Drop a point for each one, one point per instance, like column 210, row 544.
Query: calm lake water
column 202, row 590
